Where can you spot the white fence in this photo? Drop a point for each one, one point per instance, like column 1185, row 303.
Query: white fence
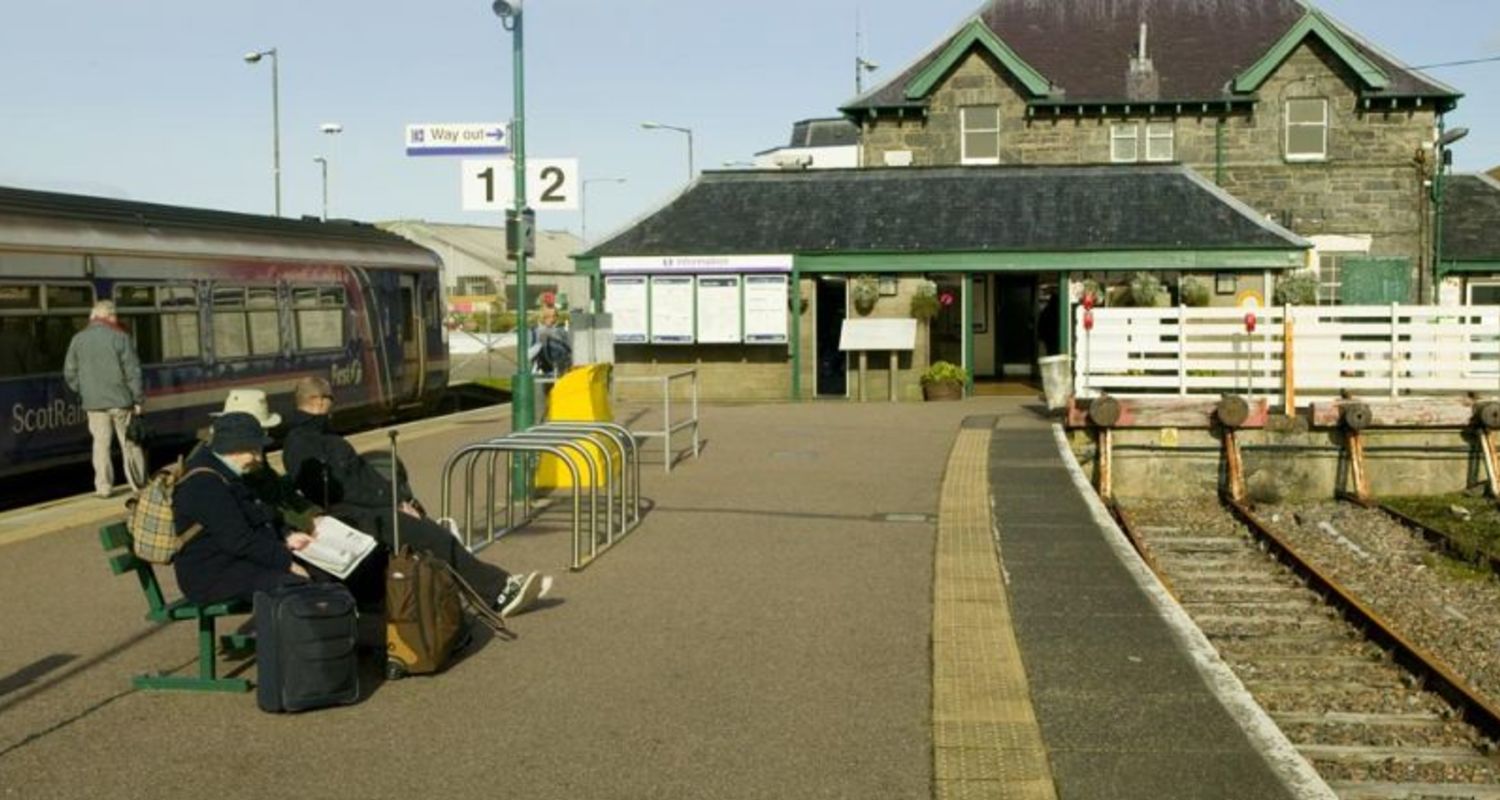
column 1390, row 350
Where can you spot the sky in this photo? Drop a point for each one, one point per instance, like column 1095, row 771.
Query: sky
column 151, row 100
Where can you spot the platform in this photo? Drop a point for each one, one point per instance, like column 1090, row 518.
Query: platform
column 768, row 631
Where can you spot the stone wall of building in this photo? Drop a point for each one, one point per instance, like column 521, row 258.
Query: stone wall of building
column 726, row 372
column 1370, row 183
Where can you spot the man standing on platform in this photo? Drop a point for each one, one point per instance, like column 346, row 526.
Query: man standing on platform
column 104, row 371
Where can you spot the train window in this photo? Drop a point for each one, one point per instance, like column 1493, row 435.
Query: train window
column 14, row 297
column 160, row 334
column 265, row 322
column 61, row 298
column 231, row 338
column 408, row 316
column 318, row 317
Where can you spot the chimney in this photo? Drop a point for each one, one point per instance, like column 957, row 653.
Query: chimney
column 1142, row 81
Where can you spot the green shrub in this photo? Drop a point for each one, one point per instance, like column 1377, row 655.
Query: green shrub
column 945, row 372
column 1144, row 290
column 1299, row 288
column 1193, row 292
column 924, row 304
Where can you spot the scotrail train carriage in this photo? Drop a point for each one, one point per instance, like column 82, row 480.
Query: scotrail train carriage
column 213, row 301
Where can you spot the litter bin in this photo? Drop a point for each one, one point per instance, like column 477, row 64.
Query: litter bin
column 1057, row 379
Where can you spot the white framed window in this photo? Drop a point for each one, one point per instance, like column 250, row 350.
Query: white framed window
column 1484, row 293
column 1124, row 143
column 1330, row 274
column 1160, row 141
column 1307, row 129
column 980, row 134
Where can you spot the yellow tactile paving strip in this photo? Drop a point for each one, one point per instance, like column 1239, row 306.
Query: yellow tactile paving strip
column 986, row 741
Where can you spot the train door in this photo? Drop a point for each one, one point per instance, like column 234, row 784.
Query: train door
column 413, row 355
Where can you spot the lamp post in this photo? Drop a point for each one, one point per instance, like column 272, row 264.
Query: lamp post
column 254, row 57
column 323, row 162
column 329, row 129
column 654, row 126
column 583, row 205
column 523, row 406
column 1445, row 141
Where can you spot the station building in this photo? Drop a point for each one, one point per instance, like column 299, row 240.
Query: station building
column 1038, row 149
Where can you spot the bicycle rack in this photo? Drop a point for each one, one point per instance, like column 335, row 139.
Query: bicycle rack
column 612, row 464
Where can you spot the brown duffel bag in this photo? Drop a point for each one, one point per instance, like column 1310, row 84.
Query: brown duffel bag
column 424, row 605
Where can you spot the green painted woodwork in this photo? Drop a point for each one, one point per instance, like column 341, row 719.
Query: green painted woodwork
column 796, row 334
column 1111, row 260
column 976, row 33
column 116, row 536
column 1311, row 24
column 1065, row 305
column 1468, row 267
column 1374, row 281
column 586, row 265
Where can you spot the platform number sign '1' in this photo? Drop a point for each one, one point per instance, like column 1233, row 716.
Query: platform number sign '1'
column 551, row 184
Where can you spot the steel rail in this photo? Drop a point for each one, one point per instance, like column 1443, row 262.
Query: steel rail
column 1436, row 675
column 1439, row 538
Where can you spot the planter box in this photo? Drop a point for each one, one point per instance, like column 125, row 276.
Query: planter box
column 943, row 391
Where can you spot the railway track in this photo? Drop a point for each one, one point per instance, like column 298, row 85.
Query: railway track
column 1372, row 722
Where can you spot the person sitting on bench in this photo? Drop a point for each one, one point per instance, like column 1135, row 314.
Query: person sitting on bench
column 242, row 546
column 329, row 471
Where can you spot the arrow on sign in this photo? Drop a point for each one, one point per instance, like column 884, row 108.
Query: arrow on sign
column 494, row 134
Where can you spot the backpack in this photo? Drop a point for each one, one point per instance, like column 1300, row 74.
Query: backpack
column 152, row 524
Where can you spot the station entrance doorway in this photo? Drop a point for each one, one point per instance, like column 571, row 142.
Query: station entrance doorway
column 831, row 307
column 1015, row 321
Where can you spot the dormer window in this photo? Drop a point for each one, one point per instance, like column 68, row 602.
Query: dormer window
column 980, row 127
column 1307, row 129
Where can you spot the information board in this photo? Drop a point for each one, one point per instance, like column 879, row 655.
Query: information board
column 878, row 334
column 672, row 310
column 719, row 309
column 765, row 309
column 625, row 298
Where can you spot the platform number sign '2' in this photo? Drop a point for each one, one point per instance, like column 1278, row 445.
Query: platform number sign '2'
column 551, row 184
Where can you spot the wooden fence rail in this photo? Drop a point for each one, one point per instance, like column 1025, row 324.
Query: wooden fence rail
column 1395, row 351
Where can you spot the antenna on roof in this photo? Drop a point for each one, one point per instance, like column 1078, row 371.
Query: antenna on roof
column 861, row 64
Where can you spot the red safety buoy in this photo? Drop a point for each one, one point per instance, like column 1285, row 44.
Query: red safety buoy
column 1088, row 319
column 1250, row 322
column 1088, row 301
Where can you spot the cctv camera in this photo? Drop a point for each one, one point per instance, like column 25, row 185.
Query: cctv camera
column 506, row 8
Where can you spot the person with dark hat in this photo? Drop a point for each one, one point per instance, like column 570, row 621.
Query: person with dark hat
column 241, row 545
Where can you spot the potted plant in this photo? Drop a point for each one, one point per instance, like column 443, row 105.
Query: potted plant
column 924, row 304
column 865, row 290
column 944, row 381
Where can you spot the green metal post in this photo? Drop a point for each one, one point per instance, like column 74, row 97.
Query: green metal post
column 966, row 296
column 1437, row 224
column 522, row 386
column 796, row 289
column 1219, row 152
column 1064, row 315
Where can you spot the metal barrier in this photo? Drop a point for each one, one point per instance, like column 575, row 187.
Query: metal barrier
column 605, row 455
column 667, row 427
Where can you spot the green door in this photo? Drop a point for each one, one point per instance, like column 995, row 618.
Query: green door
column 1370, row 281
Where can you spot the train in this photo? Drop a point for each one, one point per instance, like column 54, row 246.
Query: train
column 213, row 301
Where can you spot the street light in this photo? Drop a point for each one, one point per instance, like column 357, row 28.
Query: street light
column 1445, row 140
column 328, row 129
column 254, row 57
column 653, row 126
column 583, row 205
column 523, row 405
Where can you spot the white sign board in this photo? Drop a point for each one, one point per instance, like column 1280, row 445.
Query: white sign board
column 878, row 334
column 625, row 299
column 765, row 309
column 672, row 310
column 457, row 139
column 718, row 309
column 490, row 184
column 694, row 265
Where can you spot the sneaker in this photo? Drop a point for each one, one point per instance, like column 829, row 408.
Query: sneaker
column 519, row 593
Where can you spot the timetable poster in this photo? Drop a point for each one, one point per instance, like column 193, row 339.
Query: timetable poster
column 765, row 309
column 625, row 299
column 672, row 310
column 719, row 309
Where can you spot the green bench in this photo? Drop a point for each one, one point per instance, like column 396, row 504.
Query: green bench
column 115, row 538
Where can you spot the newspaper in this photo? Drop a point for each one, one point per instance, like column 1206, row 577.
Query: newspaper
column 336, row 548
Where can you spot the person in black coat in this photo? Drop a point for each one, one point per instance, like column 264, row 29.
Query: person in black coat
column 242, row 546
column 329, row 471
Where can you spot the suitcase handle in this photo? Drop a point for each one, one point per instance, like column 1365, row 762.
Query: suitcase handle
column 395, row 494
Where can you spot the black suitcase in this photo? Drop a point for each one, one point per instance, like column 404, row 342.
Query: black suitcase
column 305, row 647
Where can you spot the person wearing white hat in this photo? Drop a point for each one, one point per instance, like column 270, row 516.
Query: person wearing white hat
column 252, row 402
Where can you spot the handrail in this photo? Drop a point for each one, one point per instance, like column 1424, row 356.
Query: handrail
column 525, row 447
column 666, row 395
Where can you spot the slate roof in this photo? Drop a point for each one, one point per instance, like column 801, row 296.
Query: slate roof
column 1471, row 218
column 1197, row 47
column 828, row 132
column 949, row 209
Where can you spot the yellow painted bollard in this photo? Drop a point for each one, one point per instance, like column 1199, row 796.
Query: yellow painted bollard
column 582, row 395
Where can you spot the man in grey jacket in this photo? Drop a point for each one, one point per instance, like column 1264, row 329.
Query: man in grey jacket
column 104, row 371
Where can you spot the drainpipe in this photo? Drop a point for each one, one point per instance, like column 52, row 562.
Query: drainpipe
column 796, row 330
column 1219, row 152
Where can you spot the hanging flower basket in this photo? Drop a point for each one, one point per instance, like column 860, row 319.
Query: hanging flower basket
column 864, row 290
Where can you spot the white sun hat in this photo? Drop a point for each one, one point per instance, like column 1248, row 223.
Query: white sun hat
column 252, row 402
